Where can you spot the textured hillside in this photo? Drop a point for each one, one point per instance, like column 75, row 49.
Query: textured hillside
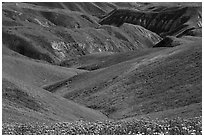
column 56, row 34
column 23, row 99
column 166, row 79
column 163, row 20
column 23, row 103
column 107, row 64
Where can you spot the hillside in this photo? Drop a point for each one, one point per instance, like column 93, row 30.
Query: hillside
column 163, row 19
column 55, row 34
column 102, row 68
column 35, row 73
column 150, row 83
column 24, row 104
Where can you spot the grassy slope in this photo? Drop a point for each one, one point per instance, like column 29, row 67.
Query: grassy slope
column 104, row 75
column 189, row 111
column 156, row 82
column 35, row 73
column 107, row 59
column 24, row 103
column 103, row 60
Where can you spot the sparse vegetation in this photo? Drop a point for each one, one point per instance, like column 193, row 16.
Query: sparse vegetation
column 65, row 74
column 176, row 126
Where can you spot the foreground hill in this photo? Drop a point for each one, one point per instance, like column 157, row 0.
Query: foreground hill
column 162, row 80
column 23, row 99
column 24, row 103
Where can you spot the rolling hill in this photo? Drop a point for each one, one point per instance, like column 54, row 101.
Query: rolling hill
column 108, row 63
column 23, row 103
column 56, row 34
column 146, row 84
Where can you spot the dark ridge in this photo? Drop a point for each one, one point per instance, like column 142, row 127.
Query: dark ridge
column 164, row 21
column 87, row 18
column 90, row 68
column 166, row 42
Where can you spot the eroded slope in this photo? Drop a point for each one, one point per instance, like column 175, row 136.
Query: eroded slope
column 177, row 20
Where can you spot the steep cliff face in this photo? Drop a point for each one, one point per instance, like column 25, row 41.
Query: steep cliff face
column 163, row 20
column 54, row 32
